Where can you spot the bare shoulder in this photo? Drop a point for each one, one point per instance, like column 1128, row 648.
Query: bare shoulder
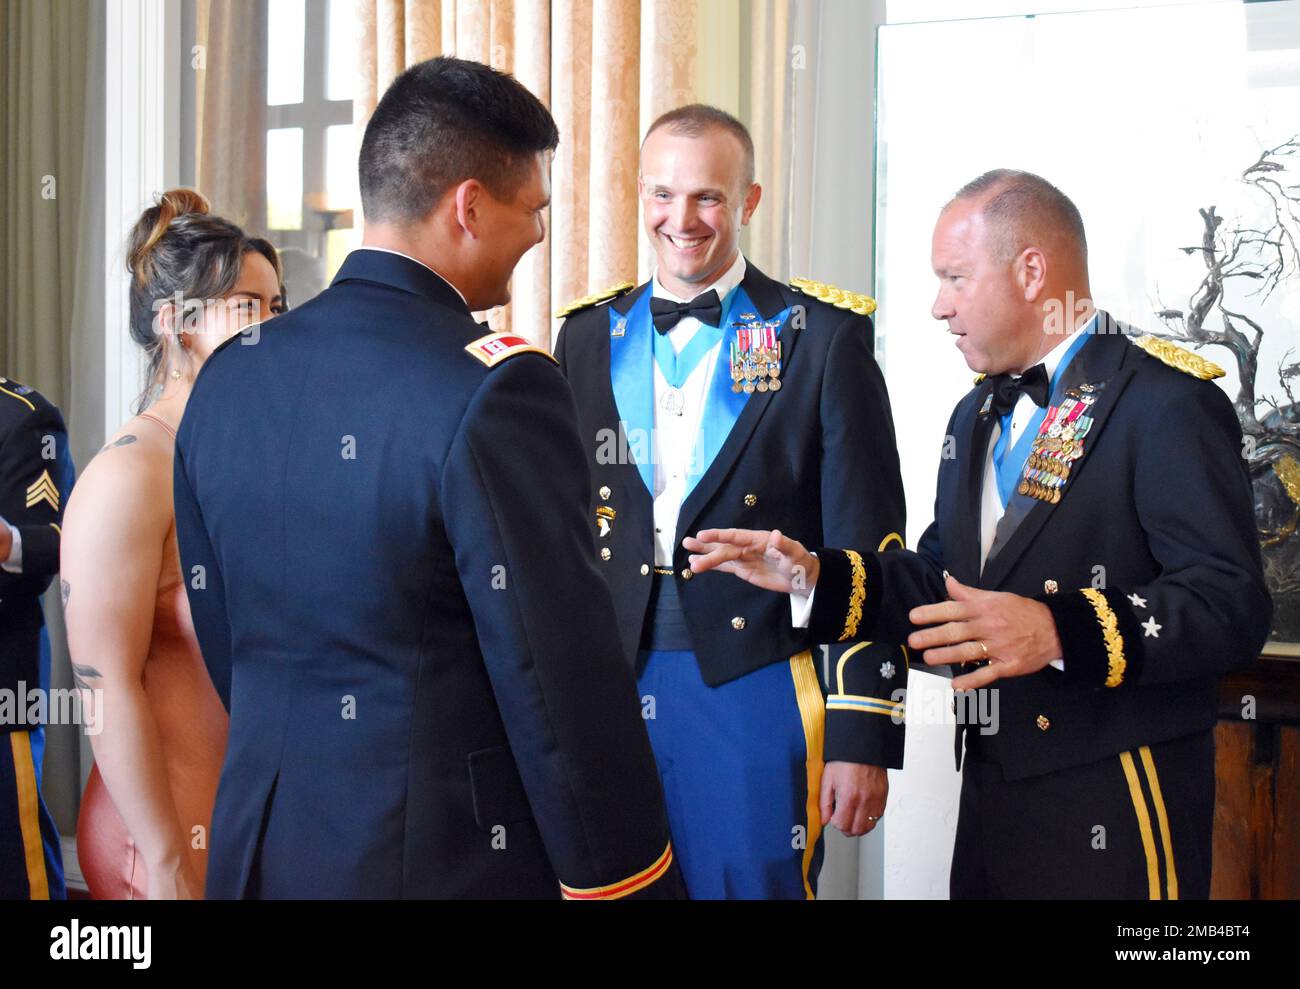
column 128, row 483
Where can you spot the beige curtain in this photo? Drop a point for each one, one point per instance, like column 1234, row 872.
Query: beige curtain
column 230, row 109
column 769, row 54
column 51, row 107
column 604, row 67
column 42, row 113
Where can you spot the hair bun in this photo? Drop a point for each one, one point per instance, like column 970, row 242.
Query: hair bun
column 156, row 220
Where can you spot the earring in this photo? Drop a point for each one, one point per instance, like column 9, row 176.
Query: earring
column 176, row 374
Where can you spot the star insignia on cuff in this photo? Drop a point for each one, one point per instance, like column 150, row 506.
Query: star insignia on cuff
column 887, row 670
column 1152, row 629
column 1138, row 602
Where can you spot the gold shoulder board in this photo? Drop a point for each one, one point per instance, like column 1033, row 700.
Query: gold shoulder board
column 863, row 305
column 1168, row 352
column 595, row 299
column 497, row 347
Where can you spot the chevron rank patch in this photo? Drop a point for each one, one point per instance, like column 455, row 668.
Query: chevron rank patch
column 43, row 489
column 497, row 347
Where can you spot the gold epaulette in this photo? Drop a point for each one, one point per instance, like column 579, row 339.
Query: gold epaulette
column 863, row 305
column 1168, row 352
column 595, row 299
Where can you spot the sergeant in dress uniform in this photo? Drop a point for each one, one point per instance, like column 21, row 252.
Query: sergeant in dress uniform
column 381, row 508
column 1094, row 540
column 713, row 395
column 36, row 475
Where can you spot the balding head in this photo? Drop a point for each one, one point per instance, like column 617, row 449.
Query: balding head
column 1010, row 255
column 1021, row 209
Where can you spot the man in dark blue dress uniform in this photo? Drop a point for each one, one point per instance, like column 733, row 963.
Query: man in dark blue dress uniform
column 381, row 514
column 714, row 395
column 36, row 475
column 1094, row 540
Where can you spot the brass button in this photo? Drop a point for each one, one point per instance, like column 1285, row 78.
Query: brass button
column 687, row 573
column 1042, row 722
column 645, row 569
column 1051, row 586
column 605, row 554
column 605, row 493
column 751, row 500
column 738, row 623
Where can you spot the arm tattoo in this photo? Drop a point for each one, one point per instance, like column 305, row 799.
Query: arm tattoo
column 120, row 441
column 65, row 591
column 80, row 674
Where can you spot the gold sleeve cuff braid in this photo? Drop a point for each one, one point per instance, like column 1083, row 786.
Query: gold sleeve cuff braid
column 1115, row 662
column 1101, row 638
column 857, row 595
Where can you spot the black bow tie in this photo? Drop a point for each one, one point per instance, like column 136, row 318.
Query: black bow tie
column 1007, row 389
column 707, row 308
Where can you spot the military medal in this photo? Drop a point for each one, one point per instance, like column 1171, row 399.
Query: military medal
column 1058, row 445
column 756, row 355
column 673, row 401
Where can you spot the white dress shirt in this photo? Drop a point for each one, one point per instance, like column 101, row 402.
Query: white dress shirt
column 14, row 564
column 677, row 439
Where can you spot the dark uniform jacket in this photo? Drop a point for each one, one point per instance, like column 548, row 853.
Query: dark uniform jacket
column 813, row 459
column 380, row 516
column 36, row 476
column 1149, row 561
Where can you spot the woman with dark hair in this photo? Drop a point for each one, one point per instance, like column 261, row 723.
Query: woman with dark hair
column 159, row 729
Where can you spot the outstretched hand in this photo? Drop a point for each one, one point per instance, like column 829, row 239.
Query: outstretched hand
column 1017, row 635
column 764, row 559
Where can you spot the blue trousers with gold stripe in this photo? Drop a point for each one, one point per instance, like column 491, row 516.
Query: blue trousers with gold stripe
column 1139, row 825
column 31, row 864
column 741, row 767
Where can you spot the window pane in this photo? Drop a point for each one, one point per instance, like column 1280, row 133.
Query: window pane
column 342, row 66
column 286, row 39
column 340, row 167
column 284, row 178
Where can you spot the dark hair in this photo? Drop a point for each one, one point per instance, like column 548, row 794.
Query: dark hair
column 694, row 119
column 176, row 246
column 443, row 121
column 1018, row 204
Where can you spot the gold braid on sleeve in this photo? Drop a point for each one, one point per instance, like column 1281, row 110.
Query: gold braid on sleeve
column 1110, row 634
column 857, row 594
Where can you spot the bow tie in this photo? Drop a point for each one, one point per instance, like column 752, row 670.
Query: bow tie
column 707, row 308
column 1007, row 389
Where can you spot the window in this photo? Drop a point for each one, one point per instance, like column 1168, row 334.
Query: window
column 311, row 156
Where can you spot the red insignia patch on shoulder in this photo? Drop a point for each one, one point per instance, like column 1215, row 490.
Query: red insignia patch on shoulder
column 497, row 347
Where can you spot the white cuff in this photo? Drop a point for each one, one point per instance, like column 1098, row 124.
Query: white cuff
column 801, row 608
column 15, row 562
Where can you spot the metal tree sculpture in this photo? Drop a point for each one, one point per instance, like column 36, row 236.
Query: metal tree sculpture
column 1266, row 257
